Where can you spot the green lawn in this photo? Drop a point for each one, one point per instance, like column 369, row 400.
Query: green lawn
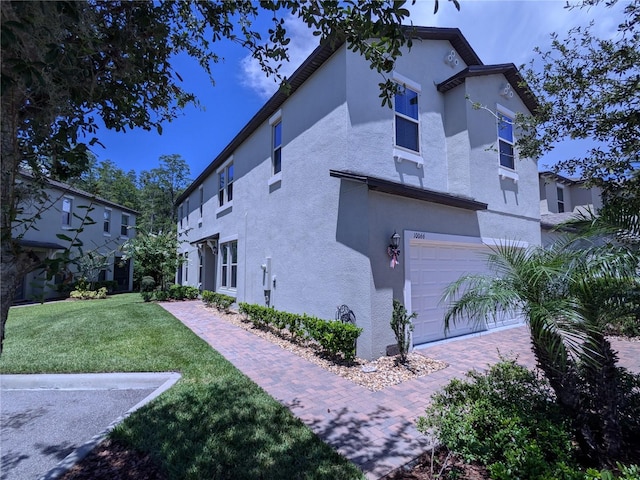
column 214, row 423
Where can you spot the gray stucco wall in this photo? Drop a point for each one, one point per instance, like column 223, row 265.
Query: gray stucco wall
column 327, row 237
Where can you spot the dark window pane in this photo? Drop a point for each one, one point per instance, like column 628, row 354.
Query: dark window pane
column 230, row 192
column 506, row 155
column 277, row 161
column 234, row 252
column 505, row 128
column 406, row 102
column 234, row 275
column 230, row 173
column 224, row 275
column 277, row 135
column 407, row 134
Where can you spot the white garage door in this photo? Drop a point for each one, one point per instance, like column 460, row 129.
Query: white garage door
column 433, row 265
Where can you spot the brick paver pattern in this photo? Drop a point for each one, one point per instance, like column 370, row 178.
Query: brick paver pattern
column 375, row 430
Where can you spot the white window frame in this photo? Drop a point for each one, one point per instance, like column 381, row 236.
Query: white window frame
column 224, row 190
column 506, row 171
column 186, row 215
column 106, row 221
column 225, row 277
column 401, row 153
column 180, row 215
column 122, row 224
column 67, row 216
column 274, row 121
column 201, row 209
column 561, row 202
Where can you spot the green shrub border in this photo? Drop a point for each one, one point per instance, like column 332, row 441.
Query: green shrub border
column 218, row 300
column 335, row 338
column 175, row 292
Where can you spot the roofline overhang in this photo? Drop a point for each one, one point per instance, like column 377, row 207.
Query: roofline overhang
column 393, row 188
column 68, row 189
column 510, row 72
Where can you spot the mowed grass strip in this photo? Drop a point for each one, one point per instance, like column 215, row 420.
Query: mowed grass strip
column 215, row 423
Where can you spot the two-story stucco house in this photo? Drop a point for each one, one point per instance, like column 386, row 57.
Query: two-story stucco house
column 299, row 209
column 562, row 198
column 60, row 211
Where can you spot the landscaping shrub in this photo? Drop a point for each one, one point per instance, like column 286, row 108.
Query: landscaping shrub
column 506, row 419
column 99, row 294
column 335, row 337
column 146, row 296
column 161, row 295
column 218, row 300
column 147, row 284
column 402, row 328
column 176, row 292
column 190, row 293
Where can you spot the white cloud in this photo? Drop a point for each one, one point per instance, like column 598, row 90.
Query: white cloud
column 303, row 42
column 503, row 31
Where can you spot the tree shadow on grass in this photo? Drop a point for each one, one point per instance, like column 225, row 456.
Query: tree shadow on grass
column 229, row 428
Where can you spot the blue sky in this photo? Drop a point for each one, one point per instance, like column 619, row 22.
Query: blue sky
column 499, row 31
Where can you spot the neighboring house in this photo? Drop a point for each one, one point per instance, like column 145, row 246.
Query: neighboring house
column 561, row 199
column 63, row 210
column 298, row 210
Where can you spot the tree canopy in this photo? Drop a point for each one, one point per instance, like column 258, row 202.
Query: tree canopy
column 589, row 88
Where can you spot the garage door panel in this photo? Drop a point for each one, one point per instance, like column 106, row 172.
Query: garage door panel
column 433, row 267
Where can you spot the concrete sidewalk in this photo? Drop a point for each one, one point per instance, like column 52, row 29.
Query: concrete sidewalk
column 375, row 430
column 49, row 422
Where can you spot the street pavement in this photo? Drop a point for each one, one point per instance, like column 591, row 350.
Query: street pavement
column 49, row 422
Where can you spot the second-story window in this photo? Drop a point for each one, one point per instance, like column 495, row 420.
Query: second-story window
column 407, row 121
column 67, row 211
column 124, row 225
column 106, row 226
column 186, row 213
column 180, row 214
column 560, row 192
column 225, row 185
column 277, row 147
column 201, row 190
column 505, row 140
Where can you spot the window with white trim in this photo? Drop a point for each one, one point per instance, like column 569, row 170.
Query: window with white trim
column 407, row 120
column 180, row 214
column 225, row 185
column 67, row 211
column 186, row 214
column 106, row 224
column 506, row 140
column 124, row 225
column 201, row 193
column 229, row 264
column 560, row 194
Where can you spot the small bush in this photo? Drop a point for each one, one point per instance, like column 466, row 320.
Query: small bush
column 402, row 328
column 506, row 419
column 147, row 284
column 147, row 296
column 217, row 300
column 335, row 337
column 161, row 295
column 99, row 294
column 176, row 292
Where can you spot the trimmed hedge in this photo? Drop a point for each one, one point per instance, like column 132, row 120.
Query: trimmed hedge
column 175, row 292
column 335, row 338
column 217, row 300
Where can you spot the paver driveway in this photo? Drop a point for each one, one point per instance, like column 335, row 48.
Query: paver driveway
column 375, row 430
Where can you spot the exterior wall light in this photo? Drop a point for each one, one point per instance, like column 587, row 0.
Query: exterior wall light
column 393, row 251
